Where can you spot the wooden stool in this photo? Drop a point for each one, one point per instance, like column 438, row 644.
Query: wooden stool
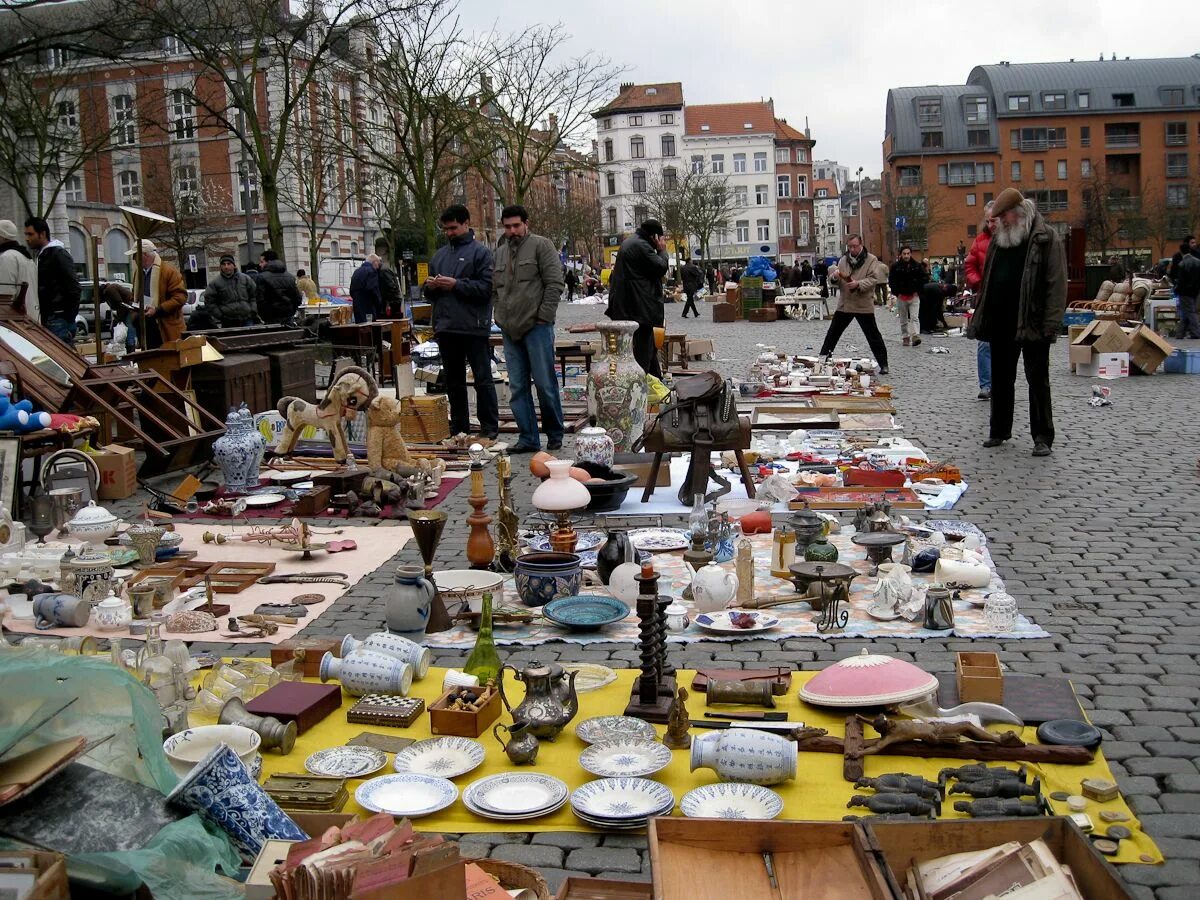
column 674, row 350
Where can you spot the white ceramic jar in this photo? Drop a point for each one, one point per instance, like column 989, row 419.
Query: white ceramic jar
column 745, row 755
column 392, row 645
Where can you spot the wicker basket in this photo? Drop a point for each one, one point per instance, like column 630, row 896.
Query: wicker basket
column 425, row 420
column 513, row 876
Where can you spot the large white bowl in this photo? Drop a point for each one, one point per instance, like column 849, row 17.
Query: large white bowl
column 470, row 585
column 187, row 748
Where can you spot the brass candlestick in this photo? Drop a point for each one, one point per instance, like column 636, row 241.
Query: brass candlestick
column 481, row 549
column 507, row 523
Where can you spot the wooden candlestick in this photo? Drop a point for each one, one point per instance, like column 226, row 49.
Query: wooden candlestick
column 654, row 690
column 481, row 549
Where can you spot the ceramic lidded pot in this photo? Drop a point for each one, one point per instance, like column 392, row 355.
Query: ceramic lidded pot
column 593, row 445
column 408, row 602
column 366, row 672
column 392, row 645
column 617, row 389
column 92, row 574
column 545, row 576
column 112, row 613
column 820, row 550
column 238, row 451
column 93, row 524
column 745, row 755
column 713, row 588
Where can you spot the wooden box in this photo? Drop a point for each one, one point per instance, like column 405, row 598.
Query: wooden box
column 979, row 677
column 314, row 648
column 715, row 859
column 238, row 378
column 294, row 373
column 463, row 723
column 604, row 889
column 49, row 871
column 724, row 312
column 301, row 702
column 763, row 314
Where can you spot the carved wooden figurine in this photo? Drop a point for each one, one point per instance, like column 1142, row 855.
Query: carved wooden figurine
column 983, row 773
column 994, row 807
column 677, row 736
column 896, row 803
column 897, row 731
column 998, row 787
column 902, row 783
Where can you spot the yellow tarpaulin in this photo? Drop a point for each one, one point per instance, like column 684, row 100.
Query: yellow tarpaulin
column 817, row 793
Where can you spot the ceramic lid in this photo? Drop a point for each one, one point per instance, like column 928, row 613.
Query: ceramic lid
column 868, row 680
column 93, row 515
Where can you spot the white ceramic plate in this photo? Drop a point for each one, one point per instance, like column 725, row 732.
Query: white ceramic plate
column 346, row 762
column 517, row 817
column 266, row 499
column 625, row 758
column 881, row 615
column 655, row 540
column 610, row 728
column 517, row 794
column 727, row 800
column 406, row 795
column 719, row 622
column 445, row 757
column 618, row 799
column 292, row 476
column 588, row 540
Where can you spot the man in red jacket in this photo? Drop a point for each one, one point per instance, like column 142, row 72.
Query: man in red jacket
column 974, row 277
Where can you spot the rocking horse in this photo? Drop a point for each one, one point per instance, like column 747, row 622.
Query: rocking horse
column 352, row 391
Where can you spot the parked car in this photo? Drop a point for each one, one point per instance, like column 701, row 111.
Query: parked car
column 85, row 319
column 195, row 298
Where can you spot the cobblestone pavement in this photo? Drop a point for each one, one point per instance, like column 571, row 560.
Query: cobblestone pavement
column 1098, row 543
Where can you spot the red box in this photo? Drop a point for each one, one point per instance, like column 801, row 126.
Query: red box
column 301, row 702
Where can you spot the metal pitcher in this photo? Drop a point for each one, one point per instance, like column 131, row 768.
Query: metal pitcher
column 550, row 699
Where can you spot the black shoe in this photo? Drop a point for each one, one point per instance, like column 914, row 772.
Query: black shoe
column 525, row 448
column 994, row 442
column 984, row 394
column 916, row 341
column 493, row 436
column 554, row 445
column 1041, row 448
column 883, row 370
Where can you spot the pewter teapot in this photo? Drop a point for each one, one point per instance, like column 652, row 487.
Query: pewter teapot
column 550, row 699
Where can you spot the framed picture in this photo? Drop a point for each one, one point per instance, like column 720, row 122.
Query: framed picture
column 10, row 465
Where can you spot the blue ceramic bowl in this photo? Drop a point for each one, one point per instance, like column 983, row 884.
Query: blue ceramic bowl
column 545, row 576
column 586, row 612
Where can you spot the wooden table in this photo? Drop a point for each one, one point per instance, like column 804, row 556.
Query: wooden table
column 577, row 351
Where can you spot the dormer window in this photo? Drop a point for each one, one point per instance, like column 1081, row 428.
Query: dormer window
column 1171, row 96
column 705, row 128
column 651, row 91
column 929, row 112
column 747, row 125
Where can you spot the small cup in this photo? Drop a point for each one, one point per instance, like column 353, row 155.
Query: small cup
column 454, row 678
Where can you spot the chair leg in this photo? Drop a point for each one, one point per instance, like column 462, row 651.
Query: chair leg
column 746, row 479
column 654, row 467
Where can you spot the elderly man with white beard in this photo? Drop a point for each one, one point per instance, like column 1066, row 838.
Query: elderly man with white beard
column 1020, row 313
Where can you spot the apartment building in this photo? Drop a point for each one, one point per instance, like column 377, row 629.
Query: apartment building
column 793, row 193
column 832, row 170
column 827, row 212
column 1108, row 145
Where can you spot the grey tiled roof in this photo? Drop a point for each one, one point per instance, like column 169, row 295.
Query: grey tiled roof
column 901, row 120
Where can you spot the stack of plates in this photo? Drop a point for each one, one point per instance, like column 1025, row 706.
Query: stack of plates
column 621, row 803
column 512, row 796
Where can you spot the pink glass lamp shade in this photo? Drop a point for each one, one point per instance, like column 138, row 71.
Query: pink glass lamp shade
column 868, row 680
column 560, row 492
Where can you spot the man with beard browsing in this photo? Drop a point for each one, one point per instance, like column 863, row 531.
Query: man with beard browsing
column 1020, row 312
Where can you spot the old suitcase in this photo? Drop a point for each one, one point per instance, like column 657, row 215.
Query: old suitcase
column 294, row 373
column 236, row 379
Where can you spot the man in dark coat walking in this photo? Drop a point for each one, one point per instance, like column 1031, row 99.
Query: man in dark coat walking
column 364, row 290
column 635, row 290
column 278, row 295
column 1020, row 312
column 693, row 281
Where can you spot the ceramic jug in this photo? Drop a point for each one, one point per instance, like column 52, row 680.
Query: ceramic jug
column 713, row 588
column 964, row 572
column 365, row 672
column 408, row 602
column 617, row 390
column 593, row 445
column 60, row 611
column 745, row 755
column 395, row 646
column 550, row 699
column 522, row 745
column 617, row 549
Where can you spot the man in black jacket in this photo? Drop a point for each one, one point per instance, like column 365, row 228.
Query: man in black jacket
column 278, row 295
column 693, row 280
column 1187, row 289
column 460, row 288
column 635, row 290
column 58, row 285
column 906, row 279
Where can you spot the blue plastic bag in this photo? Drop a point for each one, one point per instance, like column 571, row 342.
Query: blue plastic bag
column 760, row 267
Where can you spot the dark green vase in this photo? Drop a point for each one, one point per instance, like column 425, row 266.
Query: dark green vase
column 820, row 550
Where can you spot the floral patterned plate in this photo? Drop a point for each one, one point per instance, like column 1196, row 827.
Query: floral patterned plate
column 621, row 799
column 445, row 757
column 720, row 622
column 656, row 540
column 625, row 758
column 588, row 540
column 406, row 795
column 346, row 762
column 726, row 800
column 956, row 527
column 515, row 794
column 614, row 728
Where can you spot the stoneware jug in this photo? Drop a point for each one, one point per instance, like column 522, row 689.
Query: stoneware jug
column 365, row 672
column 408, row 602
column 522, row 745
column 713, row 588
column 746, row 755
column 550, row 700
column 395, row 646
column 60, row 611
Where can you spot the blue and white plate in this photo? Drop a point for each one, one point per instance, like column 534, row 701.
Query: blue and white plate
column 727, row 800
column 614, row 728
column 621, row 799
column 720, row 622
column 956, row 527
column 445, row 757
column 406, row 795
column 656, row 540
column 346, row 762
column 625, row 758
column 516, row 795
column 587, row 540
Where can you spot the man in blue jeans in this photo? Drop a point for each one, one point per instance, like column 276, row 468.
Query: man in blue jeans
column 527, row 285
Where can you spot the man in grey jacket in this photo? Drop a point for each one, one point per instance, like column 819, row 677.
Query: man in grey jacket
column 460, row 288
column 527, row 286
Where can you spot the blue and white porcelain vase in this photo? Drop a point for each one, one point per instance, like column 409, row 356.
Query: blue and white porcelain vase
column 408, row 602
column 260, row 445
column 220, row 788
column 367, row 672
column 395, row 646
column 238, row 452
column 745, row 755
column 593, row 445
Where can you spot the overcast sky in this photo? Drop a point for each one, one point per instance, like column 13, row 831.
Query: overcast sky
column 834, row 62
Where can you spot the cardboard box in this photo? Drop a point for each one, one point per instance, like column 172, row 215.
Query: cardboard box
column 118, row 472
column 1079, row 355
column 1104, row 336
column 1105, row 365
column 1147, row 351
column 979, row 677
column 701, row 349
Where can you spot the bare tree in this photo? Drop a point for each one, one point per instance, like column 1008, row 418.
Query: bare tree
column 50, row 31
column 924, row 215
column 691, row 203
column 257, row 64
column 565, row 216
column 46, row 134
column 424, row 137
column 538, row 100
column 1104, row 206
column 200, row 208
column 667, row 200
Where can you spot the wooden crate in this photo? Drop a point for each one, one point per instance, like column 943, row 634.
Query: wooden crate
column 763, row 314
column 425, row 419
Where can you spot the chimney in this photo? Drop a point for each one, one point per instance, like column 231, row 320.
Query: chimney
column 625, row 86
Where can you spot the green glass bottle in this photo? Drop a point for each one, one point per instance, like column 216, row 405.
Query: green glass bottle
column 484, row 661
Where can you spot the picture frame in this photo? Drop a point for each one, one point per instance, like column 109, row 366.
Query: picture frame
column 10, row 471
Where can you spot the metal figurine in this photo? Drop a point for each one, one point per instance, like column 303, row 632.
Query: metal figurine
column 507, row 523
column 902, row 783
column 897, row 803
column 998, row 787
column 676, row 736
column 995, row 807
column 831, row 618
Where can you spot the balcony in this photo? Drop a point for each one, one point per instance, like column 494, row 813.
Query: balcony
column 1176, row 140
column 1122, row 139
column 929, row 120
column 910, row 181
column 1043, row 144
column 962, row 178
column 1119, row 204
column 1177, row 171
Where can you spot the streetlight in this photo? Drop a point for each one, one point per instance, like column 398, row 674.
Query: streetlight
column 861, row 227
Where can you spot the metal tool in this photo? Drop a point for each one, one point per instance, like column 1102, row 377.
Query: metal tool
column 783, row 728
column 769, row 862
column 307, row 578
column 749, row 716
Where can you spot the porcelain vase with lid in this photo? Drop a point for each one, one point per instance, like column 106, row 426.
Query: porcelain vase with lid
column 593, row 445
column 713, row 588
column 617, row 389
column 92, row 573
column 408, row 602
column 238, row 452
column 93, row 524
column 745, row 755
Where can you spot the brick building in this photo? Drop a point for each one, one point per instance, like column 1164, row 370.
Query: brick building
column 1108, row 145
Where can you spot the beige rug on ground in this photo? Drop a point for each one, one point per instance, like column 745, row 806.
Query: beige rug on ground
column 376, row 545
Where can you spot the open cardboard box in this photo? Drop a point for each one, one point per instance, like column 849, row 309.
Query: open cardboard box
column 979, row 677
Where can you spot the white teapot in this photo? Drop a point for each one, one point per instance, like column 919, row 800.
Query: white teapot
column 713, row 588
